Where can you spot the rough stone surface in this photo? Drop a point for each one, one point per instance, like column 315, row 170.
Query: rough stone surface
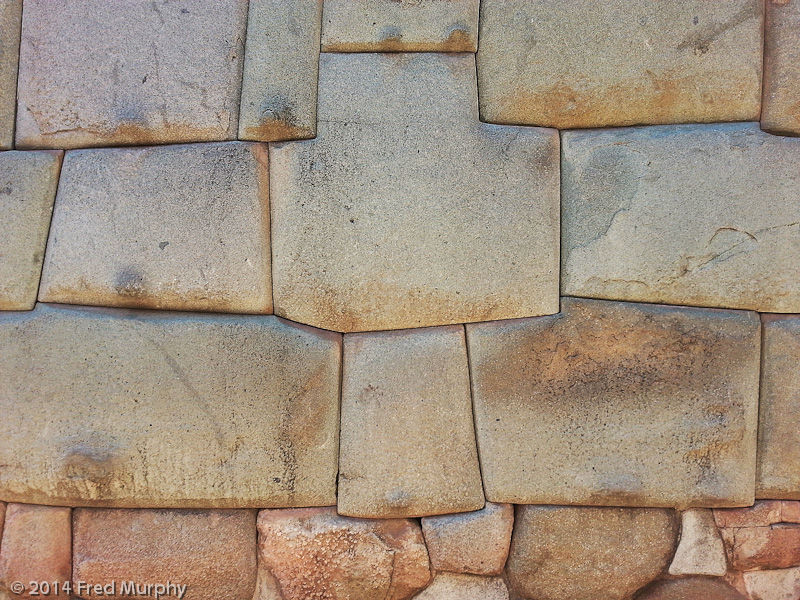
column 152, row 409
column 10, row 24
column 618, row 404
column 211, row 552
column 701, row 215
column 406, row 211
column 691, row 588
column 780, row 112
column 400, row 26
column 773, row 547
column 782, row 584
column 36, row 546
column 101, row 73
column 587, row 553
column 454, row 586
column 28, row 183
column 475, row 542
column 407, row 441
column 173, row 227
column 701, row 551
column 762, row 513
column 279, row 85
column 779, row 436
column 621, row 62
column 315, row 553
column 790, row 511
column 2, row 517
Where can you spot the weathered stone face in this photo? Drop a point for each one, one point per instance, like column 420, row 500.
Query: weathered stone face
column 760, row 514
column 596, row 64
column 773, row 547
column 618, row 404
column 781, row 105
column 701, row 551
column 687, row 214
column 585, row 553
column 100, row 73
column 456, row 586
column 10, row 19
column 211, row 552
column 392, row 26
column 406, row 406
column 143, row 409
column 171, row 227
column 406, row 211
column 691, row 588
column 779, row 584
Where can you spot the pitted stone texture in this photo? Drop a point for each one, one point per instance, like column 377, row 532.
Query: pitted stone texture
column 152, row 409
column 781, row 584
column 762, row 513
column 36, row 546
column 100, row 73
column 279, row 85
column 400, row 26
column 170, row 227
column 773, row 547
column 701, row 551
column 454, row 586
column 610, row 403
column 596, row 64
column 407, row 441
column 790, row 511
column 315, row 553
column 781, row 103
column 585, row 553
column 406, row 211
column 475, row 542
column 28, row 183
column 10, row 24
column 700, row 215
column 211, row 552
column 691, row 588
column 779, row 436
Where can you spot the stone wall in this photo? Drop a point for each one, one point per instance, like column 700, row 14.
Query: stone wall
column 392, row 299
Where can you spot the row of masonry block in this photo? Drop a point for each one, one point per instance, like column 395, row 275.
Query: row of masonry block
column 193, row 71
column 604, row 403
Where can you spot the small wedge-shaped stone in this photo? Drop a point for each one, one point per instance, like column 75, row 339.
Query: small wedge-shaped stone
column 781, row 109
column 10, row 23
column 28, row 183
column 407, row 442
column 699, row 215
column 210, row 554
column 406, row 211
column 585, row 63
column 171, row 227
column 400, row 26
column 779, row 436
column 99, row 73
column 279, row 85
column 455, row 586
column 151, row 409
column 609, row 403
column 701, row 551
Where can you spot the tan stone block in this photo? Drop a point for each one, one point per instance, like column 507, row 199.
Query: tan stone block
column 778, row 436
column 474, row 542
column 780, row 112
column 586, row 553
column 98, row 73
column 279, row 85
column 691, row 588
column 400, row 26
column 456, row 586
column 773, row 547
column 153, row 409
column 595, row 64
column 315, row 553
column 10, row 25
column 701, row 551
column 781, row 584
column 171, row 227
column 36, row 547
column 790, row 511
column 407, row 439
column 211, row 552
column 29, row 181
column 618, row 404
column 699, row 215
column 762, row 513
column 406, row 211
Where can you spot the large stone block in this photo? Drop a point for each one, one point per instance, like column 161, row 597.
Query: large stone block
column 400, row 26
column 618, row 404
column 594, row 64
column 778, row 435
column 781, row 109
column 279, row 85
column 172, row 227
column 583, row 553
column 406, row 211
column 29, row 181
column 210, row 552
column 98, row 73
column 407, row 442
column 701, row 215
column 10, row 24
column 154, row 409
